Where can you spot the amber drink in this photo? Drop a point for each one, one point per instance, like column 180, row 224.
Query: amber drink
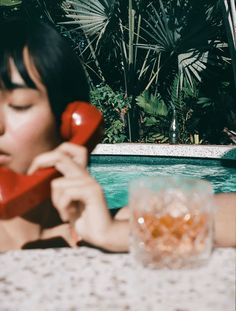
column 171, row 221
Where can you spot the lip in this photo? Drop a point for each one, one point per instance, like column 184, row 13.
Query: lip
column 4, row 157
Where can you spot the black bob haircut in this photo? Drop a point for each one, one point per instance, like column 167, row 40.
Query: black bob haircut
column 58, row 66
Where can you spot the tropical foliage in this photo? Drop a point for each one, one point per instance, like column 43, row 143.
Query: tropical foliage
column 162, row 55
column 114, row 107
column 164, row 50
column 229, row 14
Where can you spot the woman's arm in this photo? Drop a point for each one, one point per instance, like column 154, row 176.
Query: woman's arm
column 225, row 220
column 79, row 200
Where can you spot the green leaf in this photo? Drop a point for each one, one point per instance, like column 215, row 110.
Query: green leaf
column 205, row 102
column 9, row 2
column 154, row 105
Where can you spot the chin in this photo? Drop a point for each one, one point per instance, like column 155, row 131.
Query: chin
column 16, row 169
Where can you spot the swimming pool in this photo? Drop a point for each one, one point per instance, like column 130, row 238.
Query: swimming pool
column 114, row 172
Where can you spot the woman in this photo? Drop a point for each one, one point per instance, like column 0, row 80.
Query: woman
column 39, row 76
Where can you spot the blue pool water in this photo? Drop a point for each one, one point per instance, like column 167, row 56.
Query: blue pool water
column 115, row 172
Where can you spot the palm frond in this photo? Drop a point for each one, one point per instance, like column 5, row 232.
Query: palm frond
column 10, row 2
column 153, row 105
column 189, row 43
column 92, row 16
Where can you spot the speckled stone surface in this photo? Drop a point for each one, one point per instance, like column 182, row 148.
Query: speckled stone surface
column 86, row 279
column 193, row 151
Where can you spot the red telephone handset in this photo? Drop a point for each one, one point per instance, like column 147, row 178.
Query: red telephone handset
column 81, row 124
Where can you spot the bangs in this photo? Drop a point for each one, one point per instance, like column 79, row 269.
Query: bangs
column 5, row 73
column 51, row 59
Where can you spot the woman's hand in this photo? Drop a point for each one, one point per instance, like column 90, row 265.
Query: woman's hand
column 77, row 196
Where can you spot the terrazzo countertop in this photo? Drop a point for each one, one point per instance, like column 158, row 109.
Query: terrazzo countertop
column 145, row 149
column 86, row 279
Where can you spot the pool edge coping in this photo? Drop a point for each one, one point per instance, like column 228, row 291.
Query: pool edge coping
column 190, row 151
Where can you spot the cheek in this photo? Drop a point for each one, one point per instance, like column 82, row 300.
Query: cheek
column 33, row 134
column 31, row 138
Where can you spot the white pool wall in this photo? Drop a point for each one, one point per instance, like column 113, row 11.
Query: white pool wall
column 190, row 151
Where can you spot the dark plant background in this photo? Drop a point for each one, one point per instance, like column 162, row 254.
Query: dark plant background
column 147, row 59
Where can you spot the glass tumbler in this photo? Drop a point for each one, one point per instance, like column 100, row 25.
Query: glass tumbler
column 171, row 221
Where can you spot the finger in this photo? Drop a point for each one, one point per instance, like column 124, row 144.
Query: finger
column 79, row 154
column 47, row 159
column 59, row 185
column 56, row 190
column 72, row 212
column 72, row 182
column 75, row 197
column 68, row 206
column 67, row 167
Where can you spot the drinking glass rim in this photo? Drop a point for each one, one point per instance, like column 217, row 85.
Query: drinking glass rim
column 171, row 182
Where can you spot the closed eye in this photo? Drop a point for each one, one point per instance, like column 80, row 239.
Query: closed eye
column 20, row 108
